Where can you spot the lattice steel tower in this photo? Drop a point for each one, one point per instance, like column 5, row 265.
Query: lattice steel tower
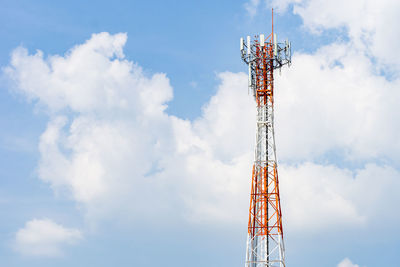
column 265, row 247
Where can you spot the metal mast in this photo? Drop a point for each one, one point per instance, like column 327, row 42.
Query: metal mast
column 265, row 247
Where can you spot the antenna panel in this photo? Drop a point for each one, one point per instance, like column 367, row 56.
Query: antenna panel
column 250, row 78
column 262, row 40
column 248, row 45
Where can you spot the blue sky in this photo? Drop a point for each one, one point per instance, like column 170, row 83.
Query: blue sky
column 128, row 140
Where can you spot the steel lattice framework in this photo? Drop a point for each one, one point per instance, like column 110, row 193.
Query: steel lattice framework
column 265, row 246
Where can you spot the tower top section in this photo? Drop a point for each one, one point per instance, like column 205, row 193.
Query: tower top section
column 279, row 52
column 263, row 54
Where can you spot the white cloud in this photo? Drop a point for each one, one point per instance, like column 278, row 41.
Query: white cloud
column 44, row 238
column 316, row 197
column 212, row 172
column 366, row 22
column 118, row 145
column 92, row 77
column 347, row 263
column 313, row 193
column 333, row 101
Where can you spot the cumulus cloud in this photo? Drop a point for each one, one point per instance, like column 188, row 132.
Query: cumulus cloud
column 316, row 197
column 365, row 22
column 347, row 263
column 44, row 238
column 336, row 103
column 90, row 78
column 109, row 141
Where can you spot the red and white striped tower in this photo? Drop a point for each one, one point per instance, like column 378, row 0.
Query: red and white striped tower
column 265, row 246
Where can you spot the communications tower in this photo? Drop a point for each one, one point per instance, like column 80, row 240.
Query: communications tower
column 265, row 246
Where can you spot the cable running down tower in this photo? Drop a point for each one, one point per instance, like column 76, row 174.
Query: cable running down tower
column 265, row 246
